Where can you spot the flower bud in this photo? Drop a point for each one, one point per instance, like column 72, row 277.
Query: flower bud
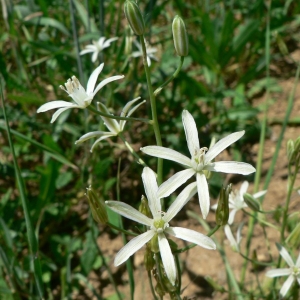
column 180, row 37
column 251, row 202
column 144, row 207
column 134, row 17
column 290, row 149
column 222, row 212
column 97, row 207
column 293, row 240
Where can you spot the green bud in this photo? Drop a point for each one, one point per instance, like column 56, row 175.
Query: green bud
column 251, row 202
column 128, row 42
column 180, row 37
column 144, row 207
column 293, row 240
column 290, row 149
column 134, row 17
column 97, row 207
column 222, row 212
column 149, row 260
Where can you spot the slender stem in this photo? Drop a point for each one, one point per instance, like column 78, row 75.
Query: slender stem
column 139, row 160
column 151, row 285
column 179, row 273
column 158, row 90
column 153, row 110
column 32, row 239
column 116, row 117
column 121, row 229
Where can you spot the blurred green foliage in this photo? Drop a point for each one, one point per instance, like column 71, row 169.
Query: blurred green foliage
column 224, row 71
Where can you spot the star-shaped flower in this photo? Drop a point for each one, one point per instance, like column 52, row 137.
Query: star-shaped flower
column 113, row 125
column 293, row 271
column 237, row 202
column 158, row 226
column 149, row 50
column 75, row 90
column 201, row 160
column 97, row 47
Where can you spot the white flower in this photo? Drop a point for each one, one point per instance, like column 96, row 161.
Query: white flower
column 158, row 227
column 199, row 162
column 149, row 50
column 82, row 97
column 293, row 271
column 235, row 243
column 114, row 127
column 97, row 47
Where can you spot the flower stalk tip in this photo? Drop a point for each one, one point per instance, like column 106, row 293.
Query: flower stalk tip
column 134, row 17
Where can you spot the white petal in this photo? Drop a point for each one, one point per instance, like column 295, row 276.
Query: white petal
column 278, row 272
column 259, row 194
column 148, row 61
column 92, row 80
column 167, row 153
column 106, row 81
column 129, row 212
column 180, row 201
column 55, row 104
column 230, row 236
column 192, row 236
column 59, row 112
column 222, row 144
column 203, row 193
column 286, row 286
column 94, row 58
column 283, row 252
column 93, row 134
column 111, row 40
column 232, row 167
column 174, row 182
column 298, row 261
column 231, row 216
column 110, row 123
column 191, row 132
column 134, row 245
column 85, row 51
column 150, row 185
column 214, row 207
column 103, row 137
column 244, row 188
column 124, row 112
column 167, row 258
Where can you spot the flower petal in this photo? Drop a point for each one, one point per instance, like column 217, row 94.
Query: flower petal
column 191, row 132
column 298, row 262
column 167, row 257
column 222, row 144
column 55, row 104
column 93, row 78
column 150, row 185
column 232, row 167
column 203, row 193
column 285, row 255
column 244, row 188
column 278, row 272
column 174, row 182
column 167, row 153
column 103, row 137
column 286, row 286
column 259, row 194
column 180, row 201
column 110, row 123
column 129, row 212
column 231, row 216
column 126, row 108
column 106, row 81
column 94, row 58
column 192, row 236
column 60, row 111
column 85, row 51
column 134, row 245
column 91, row 135
column 230, row 237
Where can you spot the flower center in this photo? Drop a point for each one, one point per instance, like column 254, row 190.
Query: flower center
column 198, row 158
column 296, row 271
column 160, row 225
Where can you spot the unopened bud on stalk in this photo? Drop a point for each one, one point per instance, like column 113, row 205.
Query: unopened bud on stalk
column 222, row 212
column 180, row 37
column 290, row 149
column 293, row 240
column 97, row 207
column 134, row 17
column 144, row 207
column 251, row 202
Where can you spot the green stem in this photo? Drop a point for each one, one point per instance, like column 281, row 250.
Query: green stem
column 116, row 117
column 139, row 160
column 32, row 239
column 151, row 285
column 153, row 110
column 158, row 90
column 121, row 229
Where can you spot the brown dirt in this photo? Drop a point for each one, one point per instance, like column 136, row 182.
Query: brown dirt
column 198, row 262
